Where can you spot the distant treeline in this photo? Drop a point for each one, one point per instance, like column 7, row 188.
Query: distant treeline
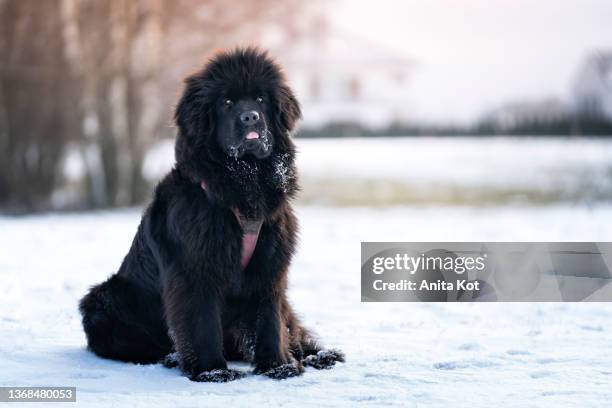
column 571, row 126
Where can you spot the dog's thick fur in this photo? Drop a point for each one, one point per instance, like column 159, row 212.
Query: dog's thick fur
column 181, row 295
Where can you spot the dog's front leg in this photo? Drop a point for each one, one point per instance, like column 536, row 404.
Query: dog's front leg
column 194, row 319
column 272, row 356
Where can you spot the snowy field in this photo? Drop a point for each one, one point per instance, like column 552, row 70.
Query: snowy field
column 443, row 170
column 412, row 355
column 434, row 355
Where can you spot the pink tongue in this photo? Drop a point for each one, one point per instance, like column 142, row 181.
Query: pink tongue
column 252, row 135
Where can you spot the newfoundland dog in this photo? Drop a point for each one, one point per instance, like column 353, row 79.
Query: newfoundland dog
column 205, row 279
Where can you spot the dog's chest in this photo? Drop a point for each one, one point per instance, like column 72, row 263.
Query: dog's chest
column 249, row 239
column 250, row 236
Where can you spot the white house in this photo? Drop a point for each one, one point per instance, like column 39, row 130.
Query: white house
column 342, row 78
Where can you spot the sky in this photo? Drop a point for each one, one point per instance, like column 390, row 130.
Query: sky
column 476, row 54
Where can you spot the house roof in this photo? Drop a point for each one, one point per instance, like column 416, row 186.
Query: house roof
column 336, row 49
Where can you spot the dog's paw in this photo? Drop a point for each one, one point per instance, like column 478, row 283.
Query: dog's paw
column 219, row 375
column 282, row 371
column 171, row 360
column 324, row 359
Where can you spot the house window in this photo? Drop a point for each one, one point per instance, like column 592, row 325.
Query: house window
column 315, row 88
column 354, row 88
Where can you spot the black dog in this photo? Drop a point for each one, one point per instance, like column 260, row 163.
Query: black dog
column 205, row 279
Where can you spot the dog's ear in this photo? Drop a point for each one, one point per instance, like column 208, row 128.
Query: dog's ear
column 191, row 117
column 190, row 110
column 289, row 111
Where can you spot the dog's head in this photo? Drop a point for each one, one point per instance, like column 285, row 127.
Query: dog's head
column 237, row 106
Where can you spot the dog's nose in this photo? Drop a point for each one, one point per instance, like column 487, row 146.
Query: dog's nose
column 249, row 117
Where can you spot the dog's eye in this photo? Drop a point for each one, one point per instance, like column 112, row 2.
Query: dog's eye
column 228, row 102
column 259, row 99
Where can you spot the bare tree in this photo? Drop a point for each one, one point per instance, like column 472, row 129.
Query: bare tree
column 100, row 76
column 37, row 102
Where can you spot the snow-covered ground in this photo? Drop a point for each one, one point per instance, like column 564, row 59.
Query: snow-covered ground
column 398, row 354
